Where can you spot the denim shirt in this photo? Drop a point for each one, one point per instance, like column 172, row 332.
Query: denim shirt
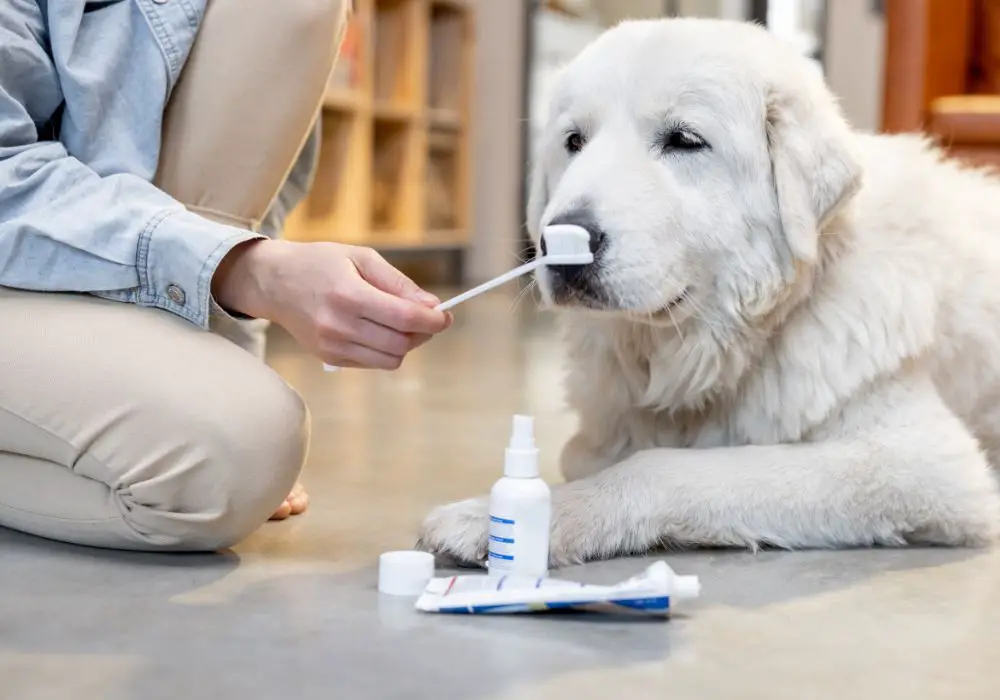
column 83, row 87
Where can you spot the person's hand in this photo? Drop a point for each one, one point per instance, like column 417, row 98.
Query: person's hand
column 345, row 304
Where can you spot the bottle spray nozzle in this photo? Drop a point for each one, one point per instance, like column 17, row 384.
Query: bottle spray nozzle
column 522, row 457
column 522, row 436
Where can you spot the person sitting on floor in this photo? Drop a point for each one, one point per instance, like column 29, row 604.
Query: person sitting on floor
column 123, row 424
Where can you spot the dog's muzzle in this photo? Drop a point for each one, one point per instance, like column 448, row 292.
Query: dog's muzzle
column 578, row 283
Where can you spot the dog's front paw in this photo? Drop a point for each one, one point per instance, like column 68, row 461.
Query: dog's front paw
column 461, row 530
column 458, row 530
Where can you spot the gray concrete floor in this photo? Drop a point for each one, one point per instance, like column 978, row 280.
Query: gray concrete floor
column 293, row 612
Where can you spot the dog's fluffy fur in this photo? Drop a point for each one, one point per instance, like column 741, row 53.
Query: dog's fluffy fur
column 791, row 333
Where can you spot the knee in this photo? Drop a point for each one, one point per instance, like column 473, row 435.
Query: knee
column 230, row 472
column 256, row 466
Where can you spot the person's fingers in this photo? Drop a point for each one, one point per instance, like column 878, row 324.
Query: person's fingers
column 354, row 355
column 371, row 317
column 373, row 335
column 403, row 315
column 418, row 339
column 381, row 338
column 379, row 273
column 411, row 342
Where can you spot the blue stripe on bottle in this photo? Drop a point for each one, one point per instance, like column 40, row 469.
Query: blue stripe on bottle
column 502, row 540
column 502, row 521
column 504, row 557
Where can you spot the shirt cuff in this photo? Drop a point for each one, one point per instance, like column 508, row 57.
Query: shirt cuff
column 178, row 254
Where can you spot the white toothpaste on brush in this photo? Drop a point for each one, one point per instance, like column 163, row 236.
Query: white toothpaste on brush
column 653, row 592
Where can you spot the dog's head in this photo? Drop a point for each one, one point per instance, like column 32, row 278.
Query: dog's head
column 703, row 156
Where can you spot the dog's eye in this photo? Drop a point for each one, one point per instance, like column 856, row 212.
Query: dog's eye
column 574, row 142
column 681, row 140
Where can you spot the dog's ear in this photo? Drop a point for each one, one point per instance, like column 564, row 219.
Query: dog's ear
column 815, row 173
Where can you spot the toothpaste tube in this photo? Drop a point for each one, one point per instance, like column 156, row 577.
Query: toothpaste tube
column 650, row 593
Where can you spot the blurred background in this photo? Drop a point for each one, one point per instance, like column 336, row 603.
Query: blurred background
column 432, row 116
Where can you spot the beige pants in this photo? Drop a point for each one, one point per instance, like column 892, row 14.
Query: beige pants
column 128, row 428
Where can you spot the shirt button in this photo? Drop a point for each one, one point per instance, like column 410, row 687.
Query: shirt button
column 176, row 294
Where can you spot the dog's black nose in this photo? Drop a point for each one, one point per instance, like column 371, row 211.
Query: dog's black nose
column 584, row 218
column 577, row 278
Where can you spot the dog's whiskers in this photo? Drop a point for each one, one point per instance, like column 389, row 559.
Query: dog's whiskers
column 523, row 294
column 522, row 255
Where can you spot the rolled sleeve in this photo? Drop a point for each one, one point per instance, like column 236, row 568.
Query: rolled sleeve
column 82, row 93
column 176, row 259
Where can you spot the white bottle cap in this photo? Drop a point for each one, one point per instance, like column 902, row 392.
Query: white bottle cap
column 405, row 573
column 685, row 587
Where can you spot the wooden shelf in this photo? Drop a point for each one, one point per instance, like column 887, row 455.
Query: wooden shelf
column 339, row 213
column 388, row 111
column 443, row 140
column 456, row 5
column 445, row 118
column 427, row 239
column 343, row 100
column 443, row 172
column 394, row 160
column 445, row 85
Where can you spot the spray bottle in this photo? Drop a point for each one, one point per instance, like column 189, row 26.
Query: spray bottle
column 520, row 510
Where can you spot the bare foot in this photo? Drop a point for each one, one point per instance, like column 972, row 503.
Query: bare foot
column 297, row 502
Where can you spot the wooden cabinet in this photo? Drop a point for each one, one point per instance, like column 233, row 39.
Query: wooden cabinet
column 943, row 74
column 394, row 161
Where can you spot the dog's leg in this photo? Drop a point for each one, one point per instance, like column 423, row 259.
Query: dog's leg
column 894, row 472
column 579, row 460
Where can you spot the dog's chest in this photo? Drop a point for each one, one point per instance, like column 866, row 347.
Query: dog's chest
column 681, row 429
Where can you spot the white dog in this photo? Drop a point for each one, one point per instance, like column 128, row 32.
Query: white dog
column 791, row 333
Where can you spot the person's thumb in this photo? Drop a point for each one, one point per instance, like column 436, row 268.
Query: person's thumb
column 377, row 271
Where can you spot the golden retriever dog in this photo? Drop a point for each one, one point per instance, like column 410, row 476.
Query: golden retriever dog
column 790, row 335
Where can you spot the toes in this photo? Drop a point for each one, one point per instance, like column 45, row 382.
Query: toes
column 284, row 510
column 298, row 502
column 458, row 531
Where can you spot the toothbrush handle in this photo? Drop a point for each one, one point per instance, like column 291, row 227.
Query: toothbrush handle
column 492, row 284
column 476, row 291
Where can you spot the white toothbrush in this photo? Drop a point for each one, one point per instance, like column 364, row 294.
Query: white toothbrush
column 565, row 244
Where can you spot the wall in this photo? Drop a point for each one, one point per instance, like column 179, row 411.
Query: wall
column 611, row 12
column 855, row 54
column 496, row 139
column 558, row 39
